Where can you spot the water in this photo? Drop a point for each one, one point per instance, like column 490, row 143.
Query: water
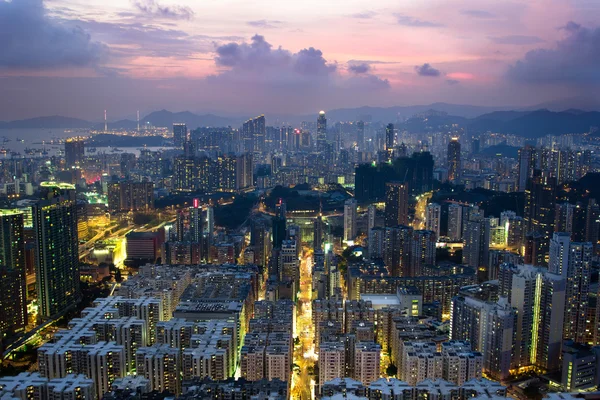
column 17, row 140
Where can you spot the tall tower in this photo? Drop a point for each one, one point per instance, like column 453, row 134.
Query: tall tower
column 454, row 163
column 196, row 221
column 396, row 204
column 105, row 122
column 138, row 120
column 321, row 132
column 526, row 166
column 360, row 135
column 433, row 218
column 57, row 250
column 179, row 134
column 13, row 295
column 74, row 152
column 540, row 200
column 389, row 137
column 350, row 219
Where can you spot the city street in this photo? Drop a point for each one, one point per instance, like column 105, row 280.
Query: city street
column 304, row 353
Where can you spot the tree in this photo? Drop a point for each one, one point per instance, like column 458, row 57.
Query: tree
column 391, row 370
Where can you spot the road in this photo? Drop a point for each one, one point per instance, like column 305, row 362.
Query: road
column 304, row 354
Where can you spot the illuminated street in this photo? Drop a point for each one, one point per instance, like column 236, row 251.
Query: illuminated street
column 420, row 211
column 304, row 353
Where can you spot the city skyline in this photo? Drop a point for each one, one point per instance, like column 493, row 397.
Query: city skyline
column 148, row 54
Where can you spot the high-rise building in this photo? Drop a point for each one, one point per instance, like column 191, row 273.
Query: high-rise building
column 318, row 234
column 371, row 215
column 563, row 217
column 540, row 199
column 321, row 132
column 476, row 243
column 396, row 204
column 180, row 134
column 527, row 157
column 422, row 251
column 572, row 261
column 367, row 357
column 455, row 223
column 13, row 294
column 539, row 297
column 161, row 364
column 454, row 161
column 433, row 218
column 130, row 196
column 360, row 135
column 57, row 249
column 332, row 361
column 490, row 328
column 196, row 222
column 397, row 250
column 390, row 137
column 74, row 152
column 350, row 219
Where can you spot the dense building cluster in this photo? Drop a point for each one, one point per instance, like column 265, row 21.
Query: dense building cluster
column 346, row 260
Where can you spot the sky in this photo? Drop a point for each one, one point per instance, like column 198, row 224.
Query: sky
column 247, row 57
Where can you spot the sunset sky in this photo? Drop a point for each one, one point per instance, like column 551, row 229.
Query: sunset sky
column 79, row 57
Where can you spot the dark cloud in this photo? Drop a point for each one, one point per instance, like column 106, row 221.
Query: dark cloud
column 452, row 81
column 574, row 60
column 362, row 68
column 427, row 70
column 406, row 20
column 478, row 14
column 265, row 23
column 29, row 38
column 516, row 39
column 154, row 9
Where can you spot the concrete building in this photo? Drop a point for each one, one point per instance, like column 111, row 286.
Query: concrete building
column 433, row 218
column 350, row 219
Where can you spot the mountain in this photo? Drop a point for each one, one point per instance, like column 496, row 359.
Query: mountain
column 53, row 122
column 166, row 118
column 537, row 123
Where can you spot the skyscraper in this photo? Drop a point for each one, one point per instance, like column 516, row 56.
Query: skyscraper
column 74, row 151
column 196, row 223
column 572, row 261
column 360, row 135
column 454, row 163
column 371, row 215
column 13, row 301
column 455, row 212
column 318, row 234
column 389, row 137
column 540, row 199
column 397, row 250
column 422, row 251
column 433, row 218
column 57, row 251
column 350, row 219
column 526, row 166
column 180, row 133
column 396, row 204
column 321, row 132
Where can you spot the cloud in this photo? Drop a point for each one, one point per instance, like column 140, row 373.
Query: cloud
column 30, row 39
column 154, row 9
column 452, row 81
column 362, row 68
column 478, row 14
column 574, row 60
column 364, row 15
column 516, row 39
column 427, row 70
column 406, row 20
column 259, row 55
column 265, row 23
column 259, row 66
